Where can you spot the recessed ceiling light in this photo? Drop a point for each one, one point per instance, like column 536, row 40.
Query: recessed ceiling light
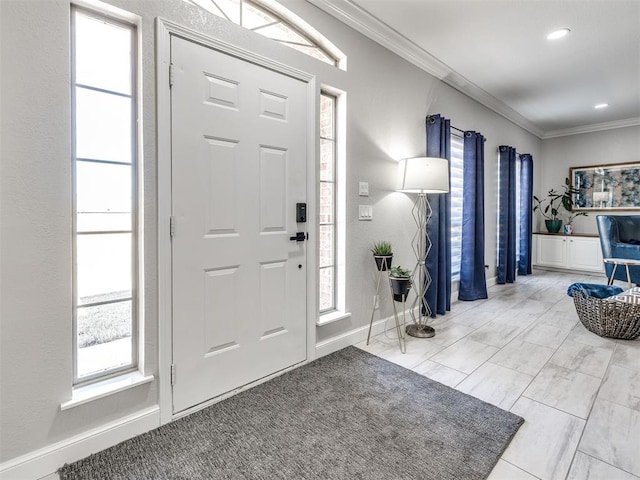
column 601, row 105
column 556, row 34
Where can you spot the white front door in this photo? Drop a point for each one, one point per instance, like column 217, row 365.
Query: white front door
column 238, row 169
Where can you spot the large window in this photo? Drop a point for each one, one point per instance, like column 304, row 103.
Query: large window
column 327, row 216
column 457, row 162
column 260, row 19
column 104, row 150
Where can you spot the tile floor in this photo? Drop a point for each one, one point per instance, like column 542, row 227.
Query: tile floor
column 524, row 350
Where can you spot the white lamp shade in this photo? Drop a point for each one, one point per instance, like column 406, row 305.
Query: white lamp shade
column 423, row 175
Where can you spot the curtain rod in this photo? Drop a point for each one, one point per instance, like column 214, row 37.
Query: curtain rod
column 462, row 132
column 517, row 153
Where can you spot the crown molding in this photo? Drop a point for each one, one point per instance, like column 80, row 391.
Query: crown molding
column 362, row 21
column 354, row 16
column 357, row 18
column 596, row 127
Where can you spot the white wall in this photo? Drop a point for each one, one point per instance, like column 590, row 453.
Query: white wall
column 388, row 100
column 621, row 145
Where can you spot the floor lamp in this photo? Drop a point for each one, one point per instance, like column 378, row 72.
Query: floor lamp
column 422, row 175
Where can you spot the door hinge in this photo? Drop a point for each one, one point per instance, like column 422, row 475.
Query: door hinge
column 171, row 75
column 172, row 226
column 173, row 374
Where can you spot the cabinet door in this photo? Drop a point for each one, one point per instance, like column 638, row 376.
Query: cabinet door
column 552, row 251
column 584, row 253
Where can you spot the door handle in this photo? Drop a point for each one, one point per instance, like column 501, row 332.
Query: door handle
column 300, row 237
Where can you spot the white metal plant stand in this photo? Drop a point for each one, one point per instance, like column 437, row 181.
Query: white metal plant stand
column 399, row 328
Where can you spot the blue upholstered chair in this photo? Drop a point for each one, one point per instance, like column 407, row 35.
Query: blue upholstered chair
column 620, row 238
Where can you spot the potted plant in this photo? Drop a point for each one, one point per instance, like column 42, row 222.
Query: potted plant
column 554, row 202
column 382, row 254
column 400, row 283
column 567, row 203
column 568, row 227
column 550, row 212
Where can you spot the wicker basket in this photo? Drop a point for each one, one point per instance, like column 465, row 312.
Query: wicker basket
column 607, row 318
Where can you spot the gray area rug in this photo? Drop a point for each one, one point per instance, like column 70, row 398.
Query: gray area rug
column 349, row 415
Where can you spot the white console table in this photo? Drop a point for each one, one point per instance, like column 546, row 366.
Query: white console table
column 577, row 252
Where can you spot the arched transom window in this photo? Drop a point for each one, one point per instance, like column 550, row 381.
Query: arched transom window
column 263, row 18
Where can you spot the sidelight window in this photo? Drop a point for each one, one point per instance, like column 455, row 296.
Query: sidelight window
column 104, row 166
column 327, row 237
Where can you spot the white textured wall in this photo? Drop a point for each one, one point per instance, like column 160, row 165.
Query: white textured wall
column 35, row 335
column 388, row 100
column 621, row 145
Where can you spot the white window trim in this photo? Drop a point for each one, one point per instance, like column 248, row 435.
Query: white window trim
column 104, row 388
column 340, row 312
column 85, row 389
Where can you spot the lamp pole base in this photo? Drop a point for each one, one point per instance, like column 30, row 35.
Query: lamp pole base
column 420, row 331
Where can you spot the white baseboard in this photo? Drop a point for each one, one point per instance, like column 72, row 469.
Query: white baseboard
column 360, row 334
column 354, row 336
column 47, row 460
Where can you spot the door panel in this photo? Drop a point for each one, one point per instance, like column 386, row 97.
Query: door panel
column 238, row 169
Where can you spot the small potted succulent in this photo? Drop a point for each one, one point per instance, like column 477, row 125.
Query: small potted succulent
column 382, row 254
column 400, row 283
column 568, row 228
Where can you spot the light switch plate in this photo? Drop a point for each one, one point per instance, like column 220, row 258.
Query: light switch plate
column 363, row 189
column 365, row 212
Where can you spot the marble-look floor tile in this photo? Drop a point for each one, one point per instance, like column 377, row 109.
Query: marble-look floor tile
column 462, row 306
column 622, row 386
column 588, row 468
column 440, row 373
column 560, row 319
column 564, row 303
column 581, row 335
column 612, row 435
column 465, row 355
column 564, row 389
column 523, row 357
column 582, row 358
column 546, row 442
column 505, row 471
column 450, row 332
column 537, row 307
column 545, row 335
column 627, row 354
column 498, row 333
column 496, row 385
column 378, row 345
column 418, row 350
column 550, row 294
column 500, row 304
column 475, row 317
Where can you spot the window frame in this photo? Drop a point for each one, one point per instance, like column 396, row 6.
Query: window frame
column 334, row 209
column 456, row 254
column 285, row 18
column 339, row 312
column 136, row 214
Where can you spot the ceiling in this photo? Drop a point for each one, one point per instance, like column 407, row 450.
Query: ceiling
column 496, row 51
